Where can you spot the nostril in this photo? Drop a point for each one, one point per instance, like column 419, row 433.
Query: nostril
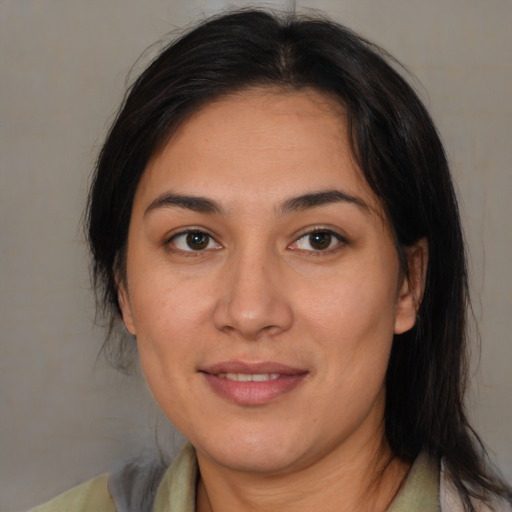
column 253, row 319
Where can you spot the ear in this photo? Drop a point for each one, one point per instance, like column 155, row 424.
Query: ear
column 126, row 309
column 411, row 290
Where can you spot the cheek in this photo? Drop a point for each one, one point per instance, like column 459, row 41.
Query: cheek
column 351, row 316
column 170, row 323
column 173, row 315
column 163, row 297
column 166, row 316
column 355, row 302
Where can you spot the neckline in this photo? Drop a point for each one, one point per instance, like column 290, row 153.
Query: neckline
column 177, row 489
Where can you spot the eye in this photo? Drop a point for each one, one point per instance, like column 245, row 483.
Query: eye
column 318, row 240
column 193, row 241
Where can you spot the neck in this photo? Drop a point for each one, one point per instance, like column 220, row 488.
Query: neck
column 366, row 480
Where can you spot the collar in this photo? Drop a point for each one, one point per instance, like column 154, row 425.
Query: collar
column 177, row 489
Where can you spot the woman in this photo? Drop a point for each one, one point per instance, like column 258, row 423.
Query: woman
column 273, row 218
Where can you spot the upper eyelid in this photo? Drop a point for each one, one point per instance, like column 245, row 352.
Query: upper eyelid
column 171, row 246
column 295, row 237
column 189, row 229
column 341, row 241
column 186, row 233
column 329, row 231
column 319, row 229
column 335, row 235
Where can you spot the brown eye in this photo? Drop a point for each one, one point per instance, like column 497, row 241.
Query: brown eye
column 193, row 241
column 197, row 240
column 320, row 240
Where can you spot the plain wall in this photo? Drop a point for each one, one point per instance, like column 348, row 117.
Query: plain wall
column 66, row 416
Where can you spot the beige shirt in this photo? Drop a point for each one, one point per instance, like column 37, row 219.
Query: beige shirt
column 177, row 490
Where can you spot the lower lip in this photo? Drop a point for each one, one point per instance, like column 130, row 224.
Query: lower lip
column 253, row 393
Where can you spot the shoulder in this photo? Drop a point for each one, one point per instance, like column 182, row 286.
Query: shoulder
column 92, row 496
column 134, row 486
column 451, row 501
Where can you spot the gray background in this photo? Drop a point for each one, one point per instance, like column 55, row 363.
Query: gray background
column 66, row 416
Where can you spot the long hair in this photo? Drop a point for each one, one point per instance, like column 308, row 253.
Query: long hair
column 400, row 154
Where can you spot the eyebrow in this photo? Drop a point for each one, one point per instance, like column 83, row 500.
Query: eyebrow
column 195, row 203
column 325, row 197
column 294, row 204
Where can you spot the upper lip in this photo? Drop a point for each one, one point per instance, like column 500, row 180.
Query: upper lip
column 252, row 368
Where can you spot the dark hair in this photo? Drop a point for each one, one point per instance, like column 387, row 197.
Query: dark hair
column 398, row 151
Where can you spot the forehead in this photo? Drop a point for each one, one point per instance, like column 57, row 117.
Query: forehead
column 269, row 142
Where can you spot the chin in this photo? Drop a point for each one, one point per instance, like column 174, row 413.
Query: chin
column 255, row 459
column 261, row 450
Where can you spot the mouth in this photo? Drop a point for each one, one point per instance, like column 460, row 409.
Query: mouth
column 252, row 384
column 248, row 377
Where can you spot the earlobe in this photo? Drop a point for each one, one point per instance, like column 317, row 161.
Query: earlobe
column 125, row 307
column 412, row 288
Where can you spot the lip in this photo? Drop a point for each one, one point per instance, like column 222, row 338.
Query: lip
column 284, row 379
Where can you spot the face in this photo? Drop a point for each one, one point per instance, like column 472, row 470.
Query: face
column 263, row 284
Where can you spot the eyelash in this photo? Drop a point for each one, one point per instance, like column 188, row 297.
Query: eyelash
column 171, row 242
column 339, row 241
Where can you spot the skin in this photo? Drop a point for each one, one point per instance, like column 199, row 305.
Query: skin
column 261, row 290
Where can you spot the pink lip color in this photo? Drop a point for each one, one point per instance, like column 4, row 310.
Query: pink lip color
column 252, row 393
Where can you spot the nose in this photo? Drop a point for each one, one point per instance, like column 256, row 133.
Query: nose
column 252, row 301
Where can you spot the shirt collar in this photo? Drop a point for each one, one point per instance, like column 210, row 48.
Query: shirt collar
column 177, row 490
